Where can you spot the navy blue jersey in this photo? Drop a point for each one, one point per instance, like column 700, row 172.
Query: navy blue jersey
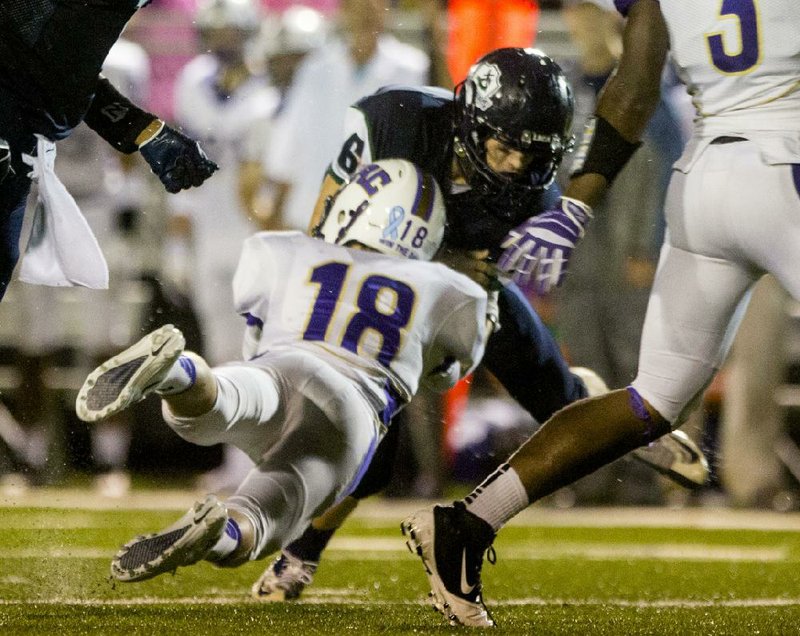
column 51, row 53
column 416, row 123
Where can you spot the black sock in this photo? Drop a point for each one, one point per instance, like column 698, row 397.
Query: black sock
column 311, row 543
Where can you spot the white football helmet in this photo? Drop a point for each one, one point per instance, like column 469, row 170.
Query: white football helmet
column 390, row 206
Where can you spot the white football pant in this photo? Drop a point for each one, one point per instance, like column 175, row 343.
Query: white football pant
column 732, row 218
column 310, row 432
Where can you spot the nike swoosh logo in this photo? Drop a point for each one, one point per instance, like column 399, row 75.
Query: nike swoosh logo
column 157, row 350
column 466, row 588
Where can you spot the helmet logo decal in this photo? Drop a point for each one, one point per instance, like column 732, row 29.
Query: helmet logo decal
column 396, row 216
column 486, row 77
column 354, row 214
column 369, row 175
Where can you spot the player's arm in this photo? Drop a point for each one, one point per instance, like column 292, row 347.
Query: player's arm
column 354, row 152
column 537, row 252
column 460, row 342
column 177, row 160
column 627, row 102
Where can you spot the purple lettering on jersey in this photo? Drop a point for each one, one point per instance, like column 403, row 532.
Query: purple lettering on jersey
column 746, row 44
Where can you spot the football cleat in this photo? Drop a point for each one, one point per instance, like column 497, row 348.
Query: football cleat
column 185, row 542
column 676, row 456
column 451, row 542
column 129, row 376
column 285, row 579
column 595, row 385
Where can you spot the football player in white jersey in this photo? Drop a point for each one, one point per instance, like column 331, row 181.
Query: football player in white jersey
column 338, row 340
column 733, row 214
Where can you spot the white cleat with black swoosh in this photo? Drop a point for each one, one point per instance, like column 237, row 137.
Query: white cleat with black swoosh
column 451, row 543
column 676, row 456
column 130, row 375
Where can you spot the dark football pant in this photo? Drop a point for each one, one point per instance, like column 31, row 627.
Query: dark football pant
column 526, row 360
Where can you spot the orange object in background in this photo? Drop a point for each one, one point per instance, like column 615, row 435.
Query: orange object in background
column 455, row 401
column 476, row 27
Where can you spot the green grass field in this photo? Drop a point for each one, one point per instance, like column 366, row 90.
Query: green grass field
column 580, row 571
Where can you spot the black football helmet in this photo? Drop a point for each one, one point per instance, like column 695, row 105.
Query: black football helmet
column 520, row 97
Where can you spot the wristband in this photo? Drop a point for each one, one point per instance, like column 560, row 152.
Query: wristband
column 602, row 150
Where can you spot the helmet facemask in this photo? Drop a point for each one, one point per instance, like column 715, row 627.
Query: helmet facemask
column 520, row 98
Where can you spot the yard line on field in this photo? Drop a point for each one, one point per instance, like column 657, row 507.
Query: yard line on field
column 347, row 596
column 366, row 548
column 379, row 511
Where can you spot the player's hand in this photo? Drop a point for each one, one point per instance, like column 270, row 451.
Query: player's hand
column 177, row 160
column 473, row 264
column 538, row 251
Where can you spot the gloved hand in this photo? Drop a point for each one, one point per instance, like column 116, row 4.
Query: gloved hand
column 537, row 252
column 177, row 160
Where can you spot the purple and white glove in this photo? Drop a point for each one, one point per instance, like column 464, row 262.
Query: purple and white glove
column 537, row 251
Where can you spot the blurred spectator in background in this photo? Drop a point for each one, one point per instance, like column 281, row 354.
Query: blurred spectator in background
column 220, row 101
column 284, row 42
column 358, row 60
column 752, row 422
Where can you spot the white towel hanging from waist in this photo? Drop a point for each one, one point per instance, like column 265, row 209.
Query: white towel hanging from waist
column 62, row 250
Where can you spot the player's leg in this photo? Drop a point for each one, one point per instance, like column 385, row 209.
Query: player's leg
column 154, row 364
column 329, row 440
column 692, row 303
column 234, row 404
column 287, row 576
column 526, row 359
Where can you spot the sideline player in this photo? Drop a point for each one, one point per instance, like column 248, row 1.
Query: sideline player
column 494, row 147
column 51, row 53
column 733, row 214
column 337, row 342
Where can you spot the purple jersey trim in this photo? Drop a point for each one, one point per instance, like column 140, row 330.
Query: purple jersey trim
column 796, row 177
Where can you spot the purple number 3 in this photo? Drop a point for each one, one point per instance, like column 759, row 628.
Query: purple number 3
column 750, row 52
column 330, row 277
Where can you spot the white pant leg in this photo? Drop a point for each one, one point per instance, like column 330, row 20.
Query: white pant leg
column 307, row 427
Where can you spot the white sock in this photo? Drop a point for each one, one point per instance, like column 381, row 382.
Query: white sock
column 227, row 543
column 499, row 498
column 181, row 376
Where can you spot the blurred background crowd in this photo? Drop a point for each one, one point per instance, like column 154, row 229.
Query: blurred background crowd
column 264, row 85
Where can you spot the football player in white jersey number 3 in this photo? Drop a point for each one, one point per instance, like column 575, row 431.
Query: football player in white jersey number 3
column 733, row 214
column 338, row 340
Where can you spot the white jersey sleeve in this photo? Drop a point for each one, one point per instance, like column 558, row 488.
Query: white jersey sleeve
column 458, row 345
